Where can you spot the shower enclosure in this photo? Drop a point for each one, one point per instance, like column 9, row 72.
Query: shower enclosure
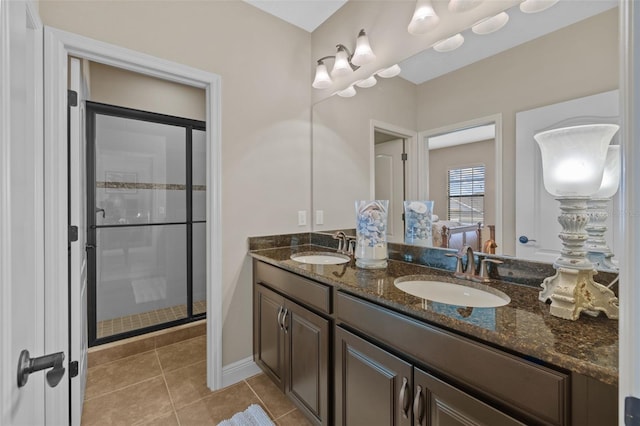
column 146, row 204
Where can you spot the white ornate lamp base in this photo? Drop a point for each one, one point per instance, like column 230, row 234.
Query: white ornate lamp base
column 572, row 291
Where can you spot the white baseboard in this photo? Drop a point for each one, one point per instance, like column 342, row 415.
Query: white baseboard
column 238, row 371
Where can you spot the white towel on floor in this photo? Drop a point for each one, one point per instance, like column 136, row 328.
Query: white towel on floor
column 149, row 289
column 252, row 416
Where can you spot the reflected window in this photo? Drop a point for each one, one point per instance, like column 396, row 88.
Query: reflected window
column 465, row 191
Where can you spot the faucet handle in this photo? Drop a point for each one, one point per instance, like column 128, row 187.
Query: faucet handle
column 484, row 271
column 459, row 257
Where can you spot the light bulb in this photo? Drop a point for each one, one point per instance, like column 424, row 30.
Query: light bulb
column 462, row 5
column 535, row 6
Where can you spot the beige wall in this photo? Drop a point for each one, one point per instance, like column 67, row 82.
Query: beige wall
column 265, row 67
column 576, row 61
column 342, row 146
column 455, row 157
column 124, row 88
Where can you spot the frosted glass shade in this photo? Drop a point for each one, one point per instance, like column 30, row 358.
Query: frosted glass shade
column 424, row 18
column 367, row 82
column 463, row 5
column 363, row 53
column 449, row 44
column 392, row 71
column 573, row 158
column 492, row 24
column 348, row 92
column 535, row 6
column 322, row 79
column 611, row 175
column 341, row 66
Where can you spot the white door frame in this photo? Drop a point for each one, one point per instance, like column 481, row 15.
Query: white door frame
column 59, row 45
column 423, row 162
column 629, row 229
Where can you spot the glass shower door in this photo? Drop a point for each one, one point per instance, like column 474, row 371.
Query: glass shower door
column 142, row 233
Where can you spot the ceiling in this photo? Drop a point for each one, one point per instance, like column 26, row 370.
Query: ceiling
column 429, row 64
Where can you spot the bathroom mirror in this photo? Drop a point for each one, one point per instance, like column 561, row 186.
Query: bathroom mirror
column 569, row 62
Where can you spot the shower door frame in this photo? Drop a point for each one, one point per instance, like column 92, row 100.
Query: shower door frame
column 189, row 125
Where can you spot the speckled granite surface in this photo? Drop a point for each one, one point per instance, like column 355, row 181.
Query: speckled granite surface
column 588, row 346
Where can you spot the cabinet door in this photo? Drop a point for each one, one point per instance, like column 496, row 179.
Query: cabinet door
column 307, row 361
column 372, row 386
column 437, row 403
column 268, row 333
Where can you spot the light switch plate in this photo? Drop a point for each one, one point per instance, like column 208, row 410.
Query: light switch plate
column 302, row 217
column 319, row 217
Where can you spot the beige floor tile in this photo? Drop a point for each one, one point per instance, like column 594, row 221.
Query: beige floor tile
column 293, row 418
column 275, row 401
column 116, row 375
column 168, row 419
column 181, row 333
column 138, row 403
column 219, row 406
column 182, row 354
column 188, row 384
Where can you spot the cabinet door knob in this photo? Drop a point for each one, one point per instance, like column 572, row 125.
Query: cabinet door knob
column 418, row 406
column 404, row 401
column 284, row 320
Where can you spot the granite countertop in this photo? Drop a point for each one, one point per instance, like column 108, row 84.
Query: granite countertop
column 588, row 346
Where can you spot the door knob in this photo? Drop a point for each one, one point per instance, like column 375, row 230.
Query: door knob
column 28, row 365
column 524, row 239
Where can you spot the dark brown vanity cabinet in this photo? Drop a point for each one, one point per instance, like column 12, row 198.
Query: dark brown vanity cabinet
column 291, row 345
column 374, row 387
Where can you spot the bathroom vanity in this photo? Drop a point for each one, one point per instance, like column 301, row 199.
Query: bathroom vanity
column 349, row 348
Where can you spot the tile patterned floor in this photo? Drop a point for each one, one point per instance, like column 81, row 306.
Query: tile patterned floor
column 147, row 319
column 167, row 386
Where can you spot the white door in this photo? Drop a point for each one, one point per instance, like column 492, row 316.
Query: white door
column 537, row 226
column 389, row 172
column 22, row 300
column 78, row 218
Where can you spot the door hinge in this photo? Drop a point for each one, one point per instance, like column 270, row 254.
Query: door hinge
column 73, row 233
column 73, row 368
column 404, row 156
column 631, row 411
column 72, row 98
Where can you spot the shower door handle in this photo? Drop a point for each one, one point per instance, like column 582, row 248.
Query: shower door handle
column 100, row 210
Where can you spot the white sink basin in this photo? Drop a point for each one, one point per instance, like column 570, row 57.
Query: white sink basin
column 452, row 294
column 327, row 258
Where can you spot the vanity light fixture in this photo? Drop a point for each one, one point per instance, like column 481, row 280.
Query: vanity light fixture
column 573, row 163
column 449, row 44
column 491, row 24
column 367, row 82
column 347, row 93
column 598, row 250
column 392, row 71
column 424, row 18
column 535, row 6
column 344, row 62
column 457, row 6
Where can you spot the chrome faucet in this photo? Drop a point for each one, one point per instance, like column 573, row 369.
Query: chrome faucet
column 346, row 243
column 469, row 271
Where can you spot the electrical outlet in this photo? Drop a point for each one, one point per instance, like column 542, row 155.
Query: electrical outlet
column 319, row 217
column 302, row 217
